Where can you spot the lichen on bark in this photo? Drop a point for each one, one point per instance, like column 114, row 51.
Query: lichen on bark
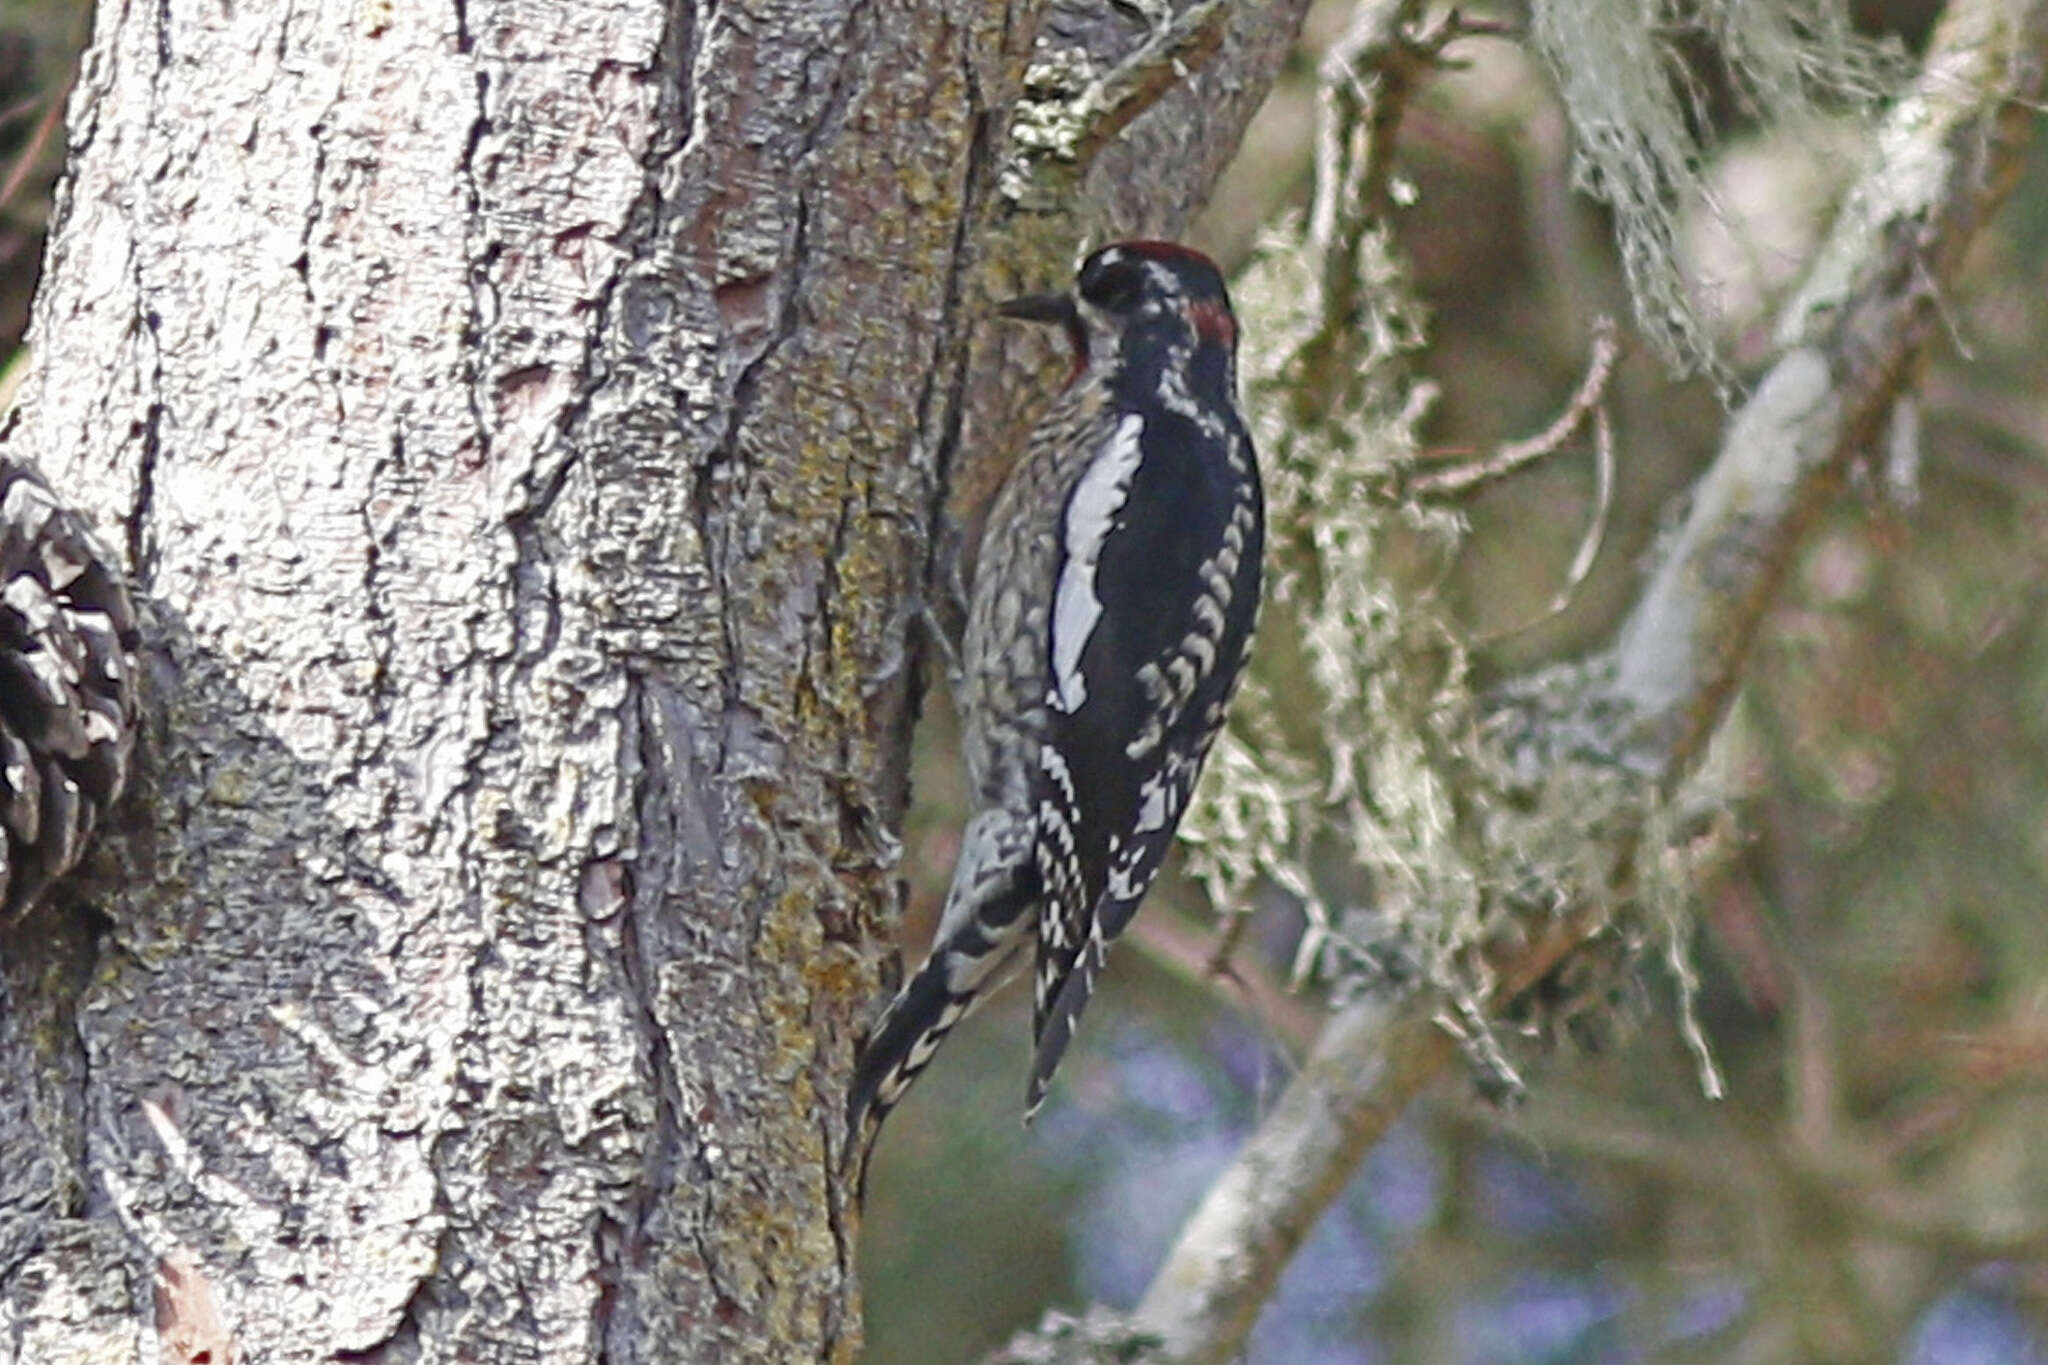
column 525, row 424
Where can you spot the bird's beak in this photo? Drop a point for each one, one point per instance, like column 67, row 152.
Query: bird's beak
column 1056, row 309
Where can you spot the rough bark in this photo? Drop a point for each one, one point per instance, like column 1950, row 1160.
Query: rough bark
column 523, row 422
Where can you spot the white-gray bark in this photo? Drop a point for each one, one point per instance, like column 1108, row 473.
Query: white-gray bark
column 523, row 422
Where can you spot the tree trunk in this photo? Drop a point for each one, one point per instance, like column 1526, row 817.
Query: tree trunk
column 523, row 423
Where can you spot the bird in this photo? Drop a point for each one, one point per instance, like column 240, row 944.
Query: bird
column 1109, row 621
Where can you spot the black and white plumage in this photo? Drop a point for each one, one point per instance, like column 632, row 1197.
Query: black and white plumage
column 1109, row 621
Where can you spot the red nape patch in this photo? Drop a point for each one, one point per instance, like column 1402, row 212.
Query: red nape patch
column 1213, row 321
column 1077, row 342
column 1166, row 251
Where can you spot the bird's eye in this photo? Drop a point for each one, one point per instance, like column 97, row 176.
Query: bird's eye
column 1111, row 282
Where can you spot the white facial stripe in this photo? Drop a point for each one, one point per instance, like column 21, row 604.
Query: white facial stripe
column 1090, row 515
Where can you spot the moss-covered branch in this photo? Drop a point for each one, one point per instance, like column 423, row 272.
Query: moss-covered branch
column 1849, row 347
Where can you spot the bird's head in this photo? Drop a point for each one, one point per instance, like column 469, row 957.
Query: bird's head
column 1165, row 296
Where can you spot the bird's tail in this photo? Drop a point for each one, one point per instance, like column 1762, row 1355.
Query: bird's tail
column 1062, row 1013
column 896, row 1050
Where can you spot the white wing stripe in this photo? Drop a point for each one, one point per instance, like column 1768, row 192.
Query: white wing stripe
column 1076, row 608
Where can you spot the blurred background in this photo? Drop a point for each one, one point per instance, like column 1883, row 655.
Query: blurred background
column 39, row 46
column 1875, row 960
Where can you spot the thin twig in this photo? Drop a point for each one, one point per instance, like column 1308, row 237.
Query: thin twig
column 1234, row 918
column 1590, row 541
column 1603, row 508
column 1283, row 1016
column 1364, row 85
column 31, row 152
column 1584, row 404
column 22, row 108
column 1166, row 59
column 1356, row 117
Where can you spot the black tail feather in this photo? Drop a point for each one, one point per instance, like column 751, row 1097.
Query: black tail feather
column 896, row 1050
column 1060, row 1020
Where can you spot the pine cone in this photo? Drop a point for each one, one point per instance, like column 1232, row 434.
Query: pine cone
column 67, row 687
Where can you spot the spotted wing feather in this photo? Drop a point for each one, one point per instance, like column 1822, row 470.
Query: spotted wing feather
column 1153, row 667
